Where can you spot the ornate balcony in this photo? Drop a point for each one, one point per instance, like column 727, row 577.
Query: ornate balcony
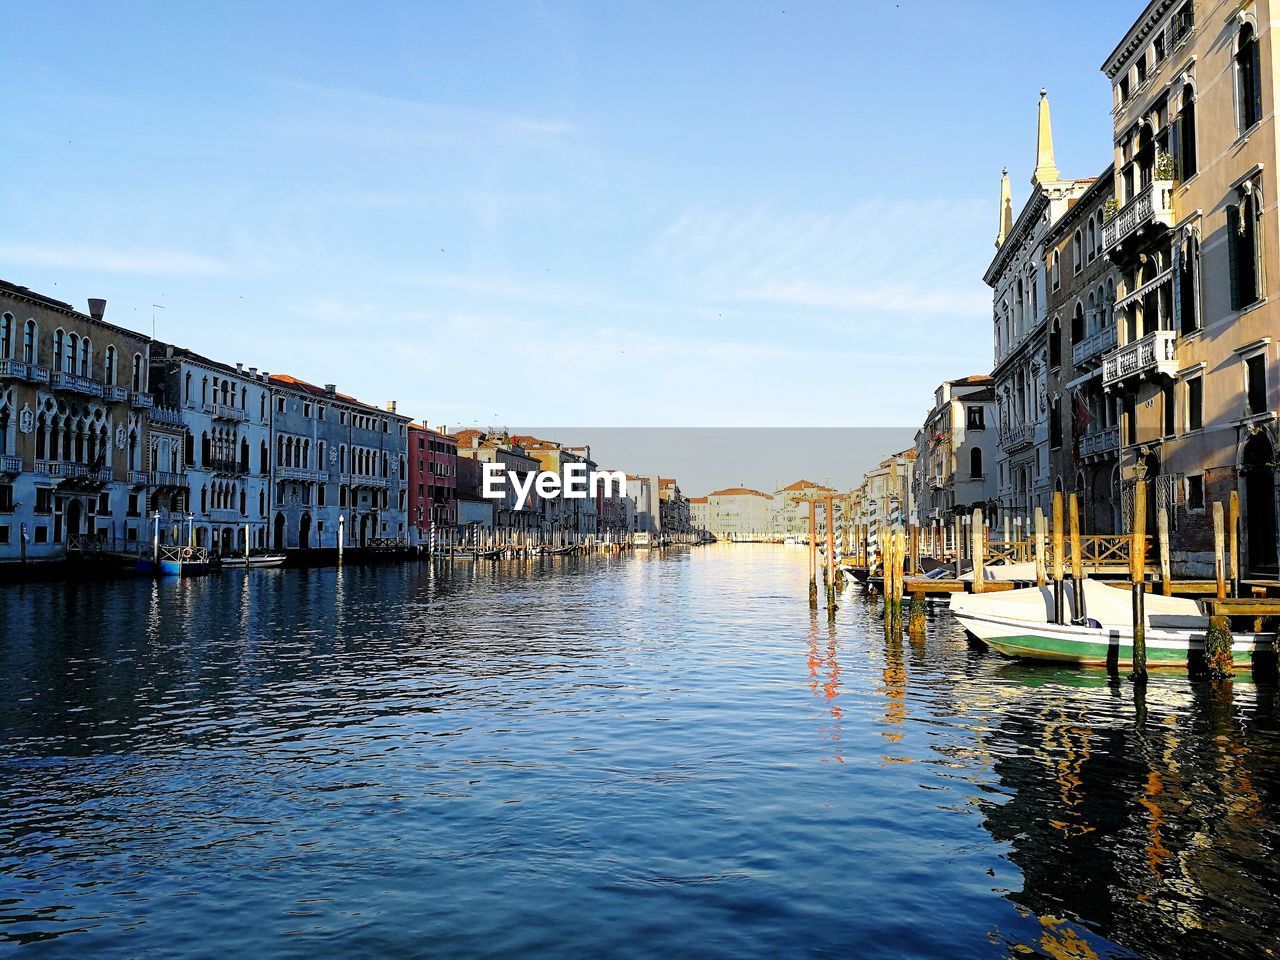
column 358, row 480
column 1156, row 353
column 227, row 465
column 1089, row 351
column 137, row 478
column 113, row 394
column 297, row 473
column 1153, row 205
column 37, row 373
column 143, row 401
column 61, row 380
column 226, row 516
column 1017, row 437
column 1100, row 442
column 165, row 478
column 10, row 464
column 14, row 369
column 165, row 415
column 221, row 411
column 77, row 471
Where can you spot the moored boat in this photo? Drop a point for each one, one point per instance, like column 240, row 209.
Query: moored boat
column 1019, row 623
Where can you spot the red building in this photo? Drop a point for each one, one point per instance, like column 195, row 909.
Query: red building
column 433, row 479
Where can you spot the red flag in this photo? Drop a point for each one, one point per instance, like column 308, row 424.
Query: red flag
column 1081, row 417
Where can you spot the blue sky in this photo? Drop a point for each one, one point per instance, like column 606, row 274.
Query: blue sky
column 631, row 214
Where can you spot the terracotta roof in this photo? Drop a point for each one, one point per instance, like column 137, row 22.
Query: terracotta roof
column 296, row 383
column 697, row 499
column 738, row 492
column 805, row 485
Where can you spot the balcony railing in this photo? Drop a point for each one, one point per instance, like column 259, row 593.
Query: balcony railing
column 10, row 464
column 1153, row 204
column 137, row 478
column 61, row 380
column 37, row 373
column 113, row 394
column 166, row 478
column 165, row 415
column 1094, row 346
column 1017, row 437
column 297, row 473
column 1101, row 441
column 1154, row 353
column 14, row 368
column 226, row 516
column 221, row 411
column 360, row 480
column 142, row 400
column 74, row 471
column 226, row 465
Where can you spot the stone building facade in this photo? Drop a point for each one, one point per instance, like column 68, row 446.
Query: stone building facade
column 74, row 426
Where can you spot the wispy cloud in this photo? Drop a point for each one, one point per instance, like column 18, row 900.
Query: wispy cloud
column 885, row 256
column 123, row 260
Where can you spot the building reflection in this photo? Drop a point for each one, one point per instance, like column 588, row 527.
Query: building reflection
column 1142, row 828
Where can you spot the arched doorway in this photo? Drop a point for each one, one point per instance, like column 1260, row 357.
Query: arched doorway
column 75, row 515
column 1259, row 508
column 226, row 540
column 364, row 530
column 279, row 540
column 304, row 532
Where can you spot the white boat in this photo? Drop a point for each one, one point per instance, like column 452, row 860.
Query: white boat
column 1019, row 623
column 257, row 560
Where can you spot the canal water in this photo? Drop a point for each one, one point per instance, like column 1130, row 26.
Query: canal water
column 649, row 756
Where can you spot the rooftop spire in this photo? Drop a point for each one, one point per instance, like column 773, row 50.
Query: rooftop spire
column 1046, row 169
column 1006, row 208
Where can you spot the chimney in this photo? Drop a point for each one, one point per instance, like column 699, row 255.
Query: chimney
column 265, row 376
column 97, row 307
column 391, row 406
column 253, row 372
column 331, row 388
column 239, row 367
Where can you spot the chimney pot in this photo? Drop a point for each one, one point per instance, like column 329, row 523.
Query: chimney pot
column 391, row 406
column 253, row 372
column 97, row 307
column 239, row 367
column 331, row 388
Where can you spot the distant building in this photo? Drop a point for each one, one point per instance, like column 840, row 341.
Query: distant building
column 673, row 507
column 740, row 513
column 433, row 481
column 791, row 511
column 500, row 448
column 955, row 453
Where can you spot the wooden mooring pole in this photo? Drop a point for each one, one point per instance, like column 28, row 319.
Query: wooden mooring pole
column 1217, row 639
column 1059, row 594
column 1219, row 561
column 1162, row 530
column 1233, row 535
column 1138, row 574
column 1077, row 565
column 1039, row 530
column 831, row 557
column 979, row 552
column 813, row 555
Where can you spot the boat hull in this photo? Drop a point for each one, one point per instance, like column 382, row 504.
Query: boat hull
column 1093, row 646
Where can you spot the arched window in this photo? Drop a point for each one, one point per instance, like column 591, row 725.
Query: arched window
column 1055, row 423
column 29, row 335
column 1184, row 135
column 59, row 339
column 975, row 463
column 1075, row 252
column 86, row 357
column 6, row 336
column 1248, row 78
column 1187, row 281
column 1055, row 269
column 139, row 380
column 69, row 359
column 109, row 366
column 1091, row 238
column 1055, row 344
column 1077, row 325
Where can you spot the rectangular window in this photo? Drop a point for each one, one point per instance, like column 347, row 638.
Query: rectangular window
column 1256, row 383
column 1130, row 419
column 42, row 535
column 104, row 503
column 1195, row 403
column 44, row 500
column 306, row 410
column 976, row 418
column 1242, row 254
column 1170, row 408
column 1195, row 492
column 279, row 404
column 4, row 535
column 6, row 498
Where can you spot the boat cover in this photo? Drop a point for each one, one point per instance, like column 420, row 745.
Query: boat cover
column 1110, row 606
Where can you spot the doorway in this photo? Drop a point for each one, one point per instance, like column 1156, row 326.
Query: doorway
column 1259, row 511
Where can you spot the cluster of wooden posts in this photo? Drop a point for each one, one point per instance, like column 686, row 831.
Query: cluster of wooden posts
column 1059, row 553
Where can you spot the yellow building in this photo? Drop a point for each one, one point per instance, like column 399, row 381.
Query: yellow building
column 1194, row 237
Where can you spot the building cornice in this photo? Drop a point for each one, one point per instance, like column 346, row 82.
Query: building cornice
column 1134, row 40
column 1031, row 211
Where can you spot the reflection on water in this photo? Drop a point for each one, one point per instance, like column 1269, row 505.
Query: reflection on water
column 614, row 757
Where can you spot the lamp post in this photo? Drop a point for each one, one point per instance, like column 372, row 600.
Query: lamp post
column 342, row 534
column 155, row 538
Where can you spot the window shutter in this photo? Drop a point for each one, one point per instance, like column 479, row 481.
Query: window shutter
column 1187, row 139
column 1174, row 145
column 1255, row 74
column 1178, row 306
column 1233, row 253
